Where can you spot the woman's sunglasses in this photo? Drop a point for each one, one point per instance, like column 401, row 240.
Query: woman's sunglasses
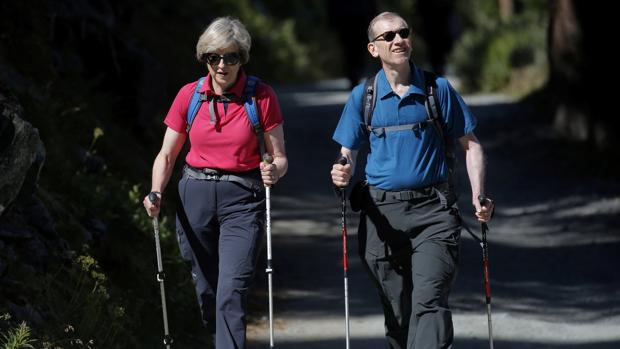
column 390, row 35
column 231, row 58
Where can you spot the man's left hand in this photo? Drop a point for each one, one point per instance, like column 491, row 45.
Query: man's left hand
column 484, row 213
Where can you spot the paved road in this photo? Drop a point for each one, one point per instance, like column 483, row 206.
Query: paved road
column 554, row 245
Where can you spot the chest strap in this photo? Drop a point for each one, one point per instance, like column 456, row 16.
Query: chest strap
column 380, row 131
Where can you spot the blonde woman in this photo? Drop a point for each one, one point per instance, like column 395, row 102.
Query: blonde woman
column 221, row 212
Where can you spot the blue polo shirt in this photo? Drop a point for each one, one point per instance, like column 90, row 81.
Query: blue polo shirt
column 404, row 159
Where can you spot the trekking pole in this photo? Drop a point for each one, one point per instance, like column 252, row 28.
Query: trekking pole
column 160, row 274
column 268, row 159
column 485, row 264
column 345, row 259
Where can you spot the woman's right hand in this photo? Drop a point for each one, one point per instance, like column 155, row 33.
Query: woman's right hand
column 152, row 208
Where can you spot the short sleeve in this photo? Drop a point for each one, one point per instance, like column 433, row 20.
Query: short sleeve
column 350, row 131
column 270, row 112
column 458, row 118
column 176, row 118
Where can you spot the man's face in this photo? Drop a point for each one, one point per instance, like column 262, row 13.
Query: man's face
column 389, row 44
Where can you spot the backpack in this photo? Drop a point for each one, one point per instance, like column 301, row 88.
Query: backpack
column 433, row 112
column 251, row 110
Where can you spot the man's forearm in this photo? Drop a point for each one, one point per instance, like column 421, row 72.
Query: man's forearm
column 475, row 161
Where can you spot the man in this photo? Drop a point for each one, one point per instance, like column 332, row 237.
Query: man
column 410, row 225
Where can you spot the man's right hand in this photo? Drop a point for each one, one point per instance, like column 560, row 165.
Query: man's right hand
column 341, row 174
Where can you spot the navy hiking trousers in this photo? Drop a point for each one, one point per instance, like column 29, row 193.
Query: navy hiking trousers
column 220, row 225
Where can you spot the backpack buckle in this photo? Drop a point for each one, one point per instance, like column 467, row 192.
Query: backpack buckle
column 378, row 131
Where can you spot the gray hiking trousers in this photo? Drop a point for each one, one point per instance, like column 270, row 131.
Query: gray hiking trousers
column 409, row 244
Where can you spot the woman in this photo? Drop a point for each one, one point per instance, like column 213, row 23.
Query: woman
column 220, row 218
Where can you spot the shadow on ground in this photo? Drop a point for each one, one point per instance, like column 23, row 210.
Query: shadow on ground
column 369, row 343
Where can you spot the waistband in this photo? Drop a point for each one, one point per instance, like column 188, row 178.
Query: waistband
column 408, row 194
column 249, row 179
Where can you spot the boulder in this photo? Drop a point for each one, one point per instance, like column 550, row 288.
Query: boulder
column 21, row 153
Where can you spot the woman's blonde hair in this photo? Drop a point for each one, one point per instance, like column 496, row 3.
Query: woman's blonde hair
column 222, row 33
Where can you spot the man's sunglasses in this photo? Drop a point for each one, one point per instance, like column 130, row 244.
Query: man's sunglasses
column 231, row 58
column 390, row 35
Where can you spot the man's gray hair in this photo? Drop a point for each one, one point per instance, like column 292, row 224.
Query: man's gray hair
column 222, row 33
column 382, row 16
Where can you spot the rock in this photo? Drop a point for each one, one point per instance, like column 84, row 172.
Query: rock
column 18, row 157
column 7, row 132
column 96, row 227
column 15, row 232
column 34, row 252
column 26, row 312
column 37, row 215
column 3, row 267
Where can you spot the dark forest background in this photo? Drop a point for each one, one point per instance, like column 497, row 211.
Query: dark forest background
column 84, row 86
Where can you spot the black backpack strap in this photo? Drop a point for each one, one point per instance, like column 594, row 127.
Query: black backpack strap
column 433, row 110
column 370, row 99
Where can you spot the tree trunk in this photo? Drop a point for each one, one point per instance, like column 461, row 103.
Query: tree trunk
column 575, row 63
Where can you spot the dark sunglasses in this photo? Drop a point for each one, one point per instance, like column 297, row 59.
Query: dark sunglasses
column 390, row 35
column 231, row 58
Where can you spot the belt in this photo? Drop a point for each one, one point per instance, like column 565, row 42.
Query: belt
column 405, row 195
column 209, row 174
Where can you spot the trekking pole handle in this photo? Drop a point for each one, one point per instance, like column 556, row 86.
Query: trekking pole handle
column 267, row 158
column 342, row 160
column 483, row 200
column 153, row 197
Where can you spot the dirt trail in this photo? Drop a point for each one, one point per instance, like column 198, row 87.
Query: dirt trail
column 554, row 243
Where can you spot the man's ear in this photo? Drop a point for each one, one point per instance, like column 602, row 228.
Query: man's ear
column 372, row 49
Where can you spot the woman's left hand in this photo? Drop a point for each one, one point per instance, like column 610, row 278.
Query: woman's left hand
column 269, row 173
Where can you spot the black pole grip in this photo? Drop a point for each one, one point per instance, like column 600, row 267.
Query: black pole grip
column 153, row 197
column 482, row 200
column 342, row 160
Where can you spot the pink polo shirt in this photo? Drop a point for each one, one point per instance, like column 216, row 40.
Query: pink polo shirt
column 230, row 144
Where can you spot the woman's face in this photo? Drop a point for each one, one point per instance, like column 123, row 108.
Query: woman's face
column 224, row 65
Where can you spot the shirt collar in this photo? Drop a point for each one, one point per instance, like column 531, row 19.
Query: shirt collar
column 237, row 88
column 416, row 79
